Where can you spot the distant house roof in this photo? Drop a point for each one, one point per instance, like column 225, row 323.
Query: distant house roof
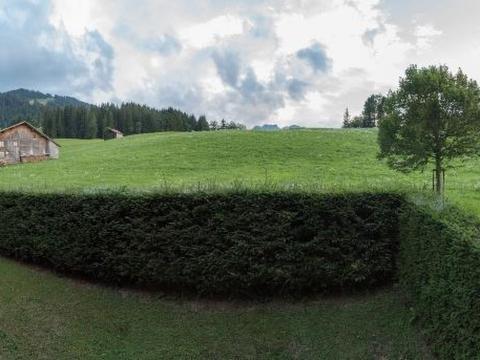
column 115, row 131
column 266, row 127
column 31, row 127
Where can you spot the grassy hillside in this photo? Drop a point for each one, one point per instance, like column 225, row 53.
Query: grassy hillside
column 46, row 317
column 320, row 159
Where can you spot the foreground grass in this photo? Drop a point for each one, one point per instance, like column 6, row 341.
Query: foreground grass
column 43, row 316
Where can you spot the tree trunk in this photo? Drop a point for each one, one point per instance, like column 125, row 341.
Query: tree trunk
column 438, row 176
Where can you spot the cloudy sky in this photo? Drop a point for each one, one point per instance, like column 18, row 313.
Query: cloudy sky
column 252, row 61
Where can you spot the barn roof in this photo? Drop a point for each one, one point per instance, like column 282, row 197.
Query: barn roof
column 31, row 127
column 114, row 131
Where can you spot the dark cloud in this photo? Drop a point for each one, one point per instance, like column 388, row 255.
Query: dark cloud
column 37, row 55
column 227, row 63
column 180, row 95
column 297, row 89
column 250, row 87
column 165, row 44
column 102, row 59
column 316, row 56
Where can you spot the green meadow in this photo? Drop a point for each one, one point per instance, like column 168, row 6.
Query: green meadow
column 322, row 158
column 318, row 160
column 45, row 316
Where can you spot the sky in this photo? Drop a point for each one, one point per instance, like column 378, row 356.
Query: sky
column 252, row 61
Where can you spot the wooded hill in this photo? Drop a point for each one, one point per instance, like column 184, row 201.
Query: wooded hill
column 67, row 117
column 23, row 104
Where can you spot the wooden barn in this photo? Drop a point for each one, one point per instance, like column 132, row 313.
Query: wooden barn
column 112, row 134
column 23, row 142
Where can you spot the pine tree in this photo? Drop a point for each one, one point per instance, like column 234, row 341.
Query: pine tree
column 346, row 119
column 79, row 122
column 91, row 128
column 202, row 124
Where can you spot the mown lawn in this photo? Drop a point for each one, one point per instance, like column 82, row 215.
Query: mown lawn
column 43, row 316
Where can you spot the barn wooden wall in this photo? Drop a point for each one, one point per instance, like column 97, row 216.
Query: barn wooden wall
column 22, row 141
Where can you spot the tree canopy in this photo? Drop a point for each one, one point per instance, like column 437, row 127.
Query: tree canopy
column 373, row 110
column 432, row 118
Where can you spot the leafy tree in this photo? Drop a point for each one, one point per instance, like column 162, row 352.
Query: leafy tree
column 373, row 110
column 356, row 122
column 237, row 126
column 223, row 124
column 431, row 119
column 346, row 119
column 214, row 125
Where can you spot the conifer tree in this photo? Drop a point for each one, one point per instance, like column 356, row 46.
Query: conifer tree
column 346, row 119
column 91, row 128
column 202, row 124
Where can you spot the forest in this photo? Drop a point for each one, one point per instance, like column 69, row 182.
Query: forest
column 130, row 118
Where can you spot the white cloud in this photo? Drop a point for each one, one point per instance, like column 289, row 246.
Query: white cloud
column 73, row 16
column 207, row 33
column 425, row 35
column 240, row 60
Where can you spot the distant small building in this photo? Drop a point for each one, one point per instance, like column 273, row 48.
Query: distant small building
column 293, row 127
column 22, row 142
column 266, row 127
column 112, row 134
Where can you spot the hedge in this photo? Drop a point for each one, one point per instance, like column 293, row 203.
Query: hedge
column 439, row 267
column 233, row 244
column 262, row 244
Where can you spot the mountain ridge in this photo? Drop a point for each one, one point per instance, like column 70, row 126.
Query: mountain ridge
column 28, row 105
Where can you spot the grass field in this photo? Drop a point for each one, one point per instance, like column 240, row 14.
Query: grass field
column 330, row 160
column 44, row 316
column 324, row 158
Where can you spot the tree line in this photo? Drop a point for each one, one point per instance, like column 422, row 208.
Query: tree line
column 130, row 118
column 373, row 111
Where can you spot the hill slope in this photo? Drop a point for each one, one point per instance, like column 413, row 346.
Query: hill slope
column 330, row 158
column 325, row 159
column 28, row 105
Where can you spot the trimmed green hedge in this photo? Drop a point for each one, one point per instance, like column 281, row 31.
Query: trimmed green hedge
column 237, row 244
column 439, row 265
